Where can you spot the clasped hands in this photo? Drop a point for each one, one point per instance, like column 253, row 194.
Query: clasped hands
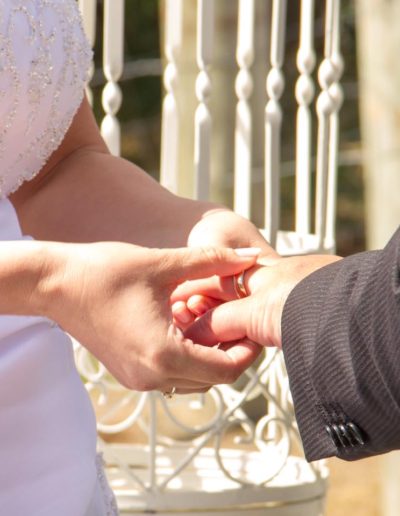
column 154, row 316
column 210, row 311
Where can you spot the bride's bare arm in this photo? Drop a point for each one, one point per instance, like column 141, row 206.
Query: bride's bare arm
column 85, row 194
column 112, row 297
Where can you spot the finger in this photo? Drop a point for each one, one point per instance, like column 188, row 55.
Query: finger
column 203, row 262
column 213, row 287
column 224, row 323
column 199, row 305
column 242, row 351
column 208, row 365
column 182, row 315
column 216, row 366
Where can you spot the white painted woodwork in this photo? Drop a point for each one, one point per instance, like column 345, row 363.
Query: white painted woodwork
column 203, row 121
column 170, row 119
column 113, row 63
column 304, row 96
column 328, row 104
column 273, row 121
column 336, row 93
column 243, row 128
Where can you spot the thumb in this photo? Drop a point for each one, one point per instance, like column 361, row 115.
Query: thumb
column 202, row 262
column 225, row 323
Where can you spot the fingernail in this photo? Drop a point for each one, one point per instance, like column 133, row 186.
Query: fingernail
column 183, row 317
column 248, row 252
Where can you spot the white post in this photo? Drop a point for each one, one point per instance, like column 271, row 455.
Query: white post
column 203, row 121
column 273, row 121
column 336, row 93
column 328, row 104
column 170, row 121
column 304, row 97
column 244, row 88
column 88, row 10
column 113, row 63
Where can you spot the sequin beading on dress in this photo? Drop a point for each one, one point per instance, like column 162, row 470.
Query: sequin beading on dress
column 44, row 62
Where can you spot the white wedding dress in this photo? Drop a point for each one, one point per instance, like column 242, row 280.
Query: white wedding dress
column 48, row 462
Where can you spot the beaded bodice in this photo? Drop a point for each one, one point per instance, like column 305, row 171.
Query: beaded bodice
column 44, row 59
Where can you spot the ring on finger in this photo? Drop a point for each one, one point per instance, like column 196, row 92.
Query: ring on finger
column 239, row 286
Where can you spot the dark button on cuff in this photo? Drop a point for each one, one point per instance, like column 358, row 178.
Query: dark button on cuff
column 345, row 435
column 356, row 433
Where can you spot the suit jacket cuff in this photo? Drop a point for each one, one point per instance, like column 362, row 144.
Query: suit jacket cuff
column 340, row 338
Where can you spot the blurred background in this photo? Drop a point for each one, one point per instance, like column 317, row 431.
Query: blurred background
column 368, row 210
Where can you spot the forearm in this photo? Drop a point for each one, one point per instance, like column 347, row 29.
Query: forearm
column 24, row 267
column 93, row 196
column 84, row 194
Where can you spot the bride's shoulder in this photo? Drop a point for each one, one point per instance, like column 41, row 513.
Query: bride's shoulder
column 43, row 70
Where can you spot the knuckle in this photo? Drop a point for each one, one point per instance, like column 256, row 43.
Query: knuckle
column 213, row 254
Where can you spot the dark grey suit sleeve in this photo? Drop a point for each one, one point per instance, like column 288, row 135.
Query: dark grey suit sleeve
column 341, row 342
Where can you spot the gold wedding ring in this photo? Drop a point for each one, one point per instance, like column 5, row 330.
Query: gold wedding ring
column 239, row 286
column 169, row 394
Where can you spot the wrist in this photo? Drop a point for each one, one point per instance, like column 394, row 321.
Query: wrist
column 49, row 293
column 25, row 267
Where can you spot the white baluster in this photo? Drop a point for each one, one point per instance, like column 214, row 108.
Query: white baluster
column 244, row 88
column 273, row 121
column 113, row 62
column 153, row 441
column 273, row 389
column 304, row 97
column 170, row 129
column 336, row 93
column 203, row 122
column 328, row 104
column 88, row 10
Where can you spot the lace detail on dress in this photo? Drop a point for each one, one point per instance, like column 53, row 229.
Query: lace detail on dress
column 108, row 495
column 44, row 62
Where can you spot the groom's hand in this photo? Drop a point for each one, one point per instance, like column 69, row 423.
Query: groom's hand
column 221, row 227
column 256, row 317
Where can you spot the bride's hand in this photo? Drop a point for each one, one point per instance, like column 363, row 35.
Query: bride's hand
column 219, row 316
column 222, row 228
column 114, row 299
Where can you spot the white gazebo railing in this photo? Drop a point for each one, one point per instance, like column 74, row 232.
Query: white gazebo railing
column 235, row 450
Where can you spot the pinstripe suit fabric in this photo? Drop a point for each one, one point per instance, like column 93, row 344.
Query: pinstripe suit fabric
column 341, row 342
